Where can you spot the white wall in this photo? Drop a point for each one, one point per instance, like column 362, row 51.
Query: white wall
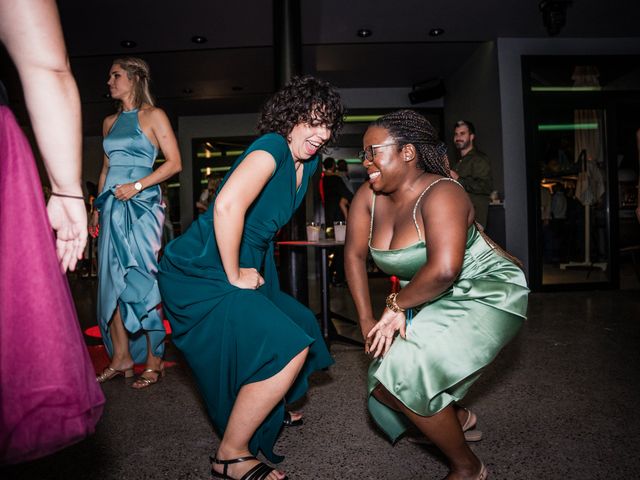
column 510, row 51
column 205, row 126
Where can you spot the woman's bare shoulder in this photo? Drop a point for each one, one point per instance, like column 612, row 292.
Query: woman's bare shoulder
column 363, row 195
column 446, row 195
column 152, row 111
column 108, row 122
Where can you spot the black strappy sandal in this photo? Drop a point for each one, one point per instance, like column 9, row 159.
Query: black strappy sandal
column 288, row 421
column 258, row 472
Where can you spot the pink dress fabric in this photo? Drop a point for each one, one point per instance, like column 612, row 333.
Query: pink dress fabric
column 49, row 397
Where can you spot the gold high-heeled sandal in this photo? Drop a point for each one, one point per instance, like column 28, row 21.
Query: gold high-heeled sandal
column 110, row 372
column 471, row 421
column 145, row 382
column 469, row 427
column 471, row 434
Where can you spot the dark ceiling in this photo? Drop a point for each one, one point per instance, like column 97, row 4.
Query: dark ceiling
column 233, row 70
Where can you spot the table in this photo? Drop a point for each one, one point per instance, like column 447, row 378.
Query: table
column 329, row 331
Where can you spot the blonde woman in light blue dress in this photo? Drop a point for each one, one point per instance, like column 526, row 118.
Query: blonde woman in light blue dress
column 130, row 212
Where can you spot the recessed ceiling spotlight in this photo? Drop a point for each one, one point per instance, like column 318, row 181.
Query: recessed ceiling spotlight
column 554, row 15
column 199, row 39
column 128, row 43
column 364, row 32
column 187, row 91
column 436, row 32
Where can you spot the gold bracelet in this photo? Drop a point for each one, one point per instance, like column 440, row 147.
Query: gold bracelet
column 392, row 305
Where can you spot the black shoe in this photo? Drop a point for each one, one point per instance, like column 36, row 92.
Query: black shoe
column 290, row 422
column 259, row 471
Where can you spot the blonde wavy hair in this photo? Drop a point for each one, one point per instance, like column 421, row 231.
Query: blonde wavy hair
column 139, row 73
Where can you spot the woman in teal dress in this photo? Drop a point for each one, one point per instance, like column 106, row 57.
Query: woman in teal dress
column 251, row 347
column 130, row 213
column 462, row 297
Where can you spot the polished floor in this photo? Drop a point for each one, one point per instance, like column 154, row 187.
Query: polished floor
column 560, row 402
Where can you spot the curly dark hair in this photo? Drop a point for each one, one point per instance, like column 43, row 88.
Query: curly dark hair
column 304, row 99
column 409, row 127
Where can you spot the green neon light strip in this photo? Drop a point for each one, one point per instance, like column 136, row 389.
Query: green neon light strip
column 360, row 118
column 567, row 126
column 594, row 88
column 230, row 153
column 214, row 169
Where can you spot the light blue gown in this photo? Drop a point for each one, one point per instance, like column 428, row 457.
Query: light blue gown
column 129, row 241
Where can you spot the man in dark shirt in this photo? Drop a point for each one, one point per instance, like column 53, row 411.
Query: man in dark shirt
column 337, row 199
column 472, row 169
column 342, row 169
column 337, row 196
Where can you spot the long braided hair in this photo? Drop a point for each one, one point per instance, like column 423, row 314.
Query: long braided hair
column 409, row 127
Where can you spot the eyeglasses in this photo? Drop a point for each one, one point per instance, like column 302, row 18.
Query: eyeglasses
column 368, row 153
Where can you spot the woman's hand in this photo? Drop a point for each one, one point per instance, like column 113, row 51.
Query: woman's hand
column 68, row 217
column 382, row 334
column 247, row 278
column 366, row 324
column 94, row 223
column 125, row 192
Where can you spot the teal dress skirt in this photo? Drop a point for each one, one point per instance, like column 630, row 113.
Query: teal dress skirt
column 129, row 240
column 450, row 339
column 230, row 336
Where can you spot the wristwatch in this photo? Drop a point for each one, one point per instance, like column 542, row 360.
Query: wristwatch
column 137, row 186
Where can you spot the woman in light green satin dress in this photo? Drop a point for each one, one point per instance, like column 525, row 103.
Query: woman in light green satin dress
column 462, row 297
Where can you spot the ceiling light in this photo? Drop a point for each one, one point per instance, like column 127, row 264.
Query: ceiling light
column 364, row 32
column 436, row 32
column 128, row 43
column 199, row 39
column 554, row 14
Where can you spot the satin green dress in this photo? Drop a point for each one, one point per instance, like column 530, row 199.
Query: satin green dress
column 129, row 241
column 451, row 338
column 231, row 336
